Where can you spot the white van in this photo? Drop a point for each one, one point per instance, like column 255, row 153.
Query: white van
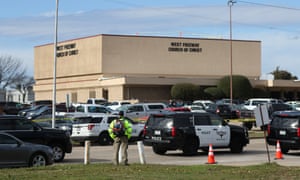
column 252, row 103
column 100, row 101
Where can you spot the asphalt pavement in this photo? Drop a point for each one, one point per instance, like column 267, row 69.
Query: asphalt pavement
column 254, row 153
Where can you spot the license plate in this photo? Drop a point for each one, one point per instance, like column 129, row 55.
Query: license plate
column 282, row 132
column 156, row 138
column 157, row 132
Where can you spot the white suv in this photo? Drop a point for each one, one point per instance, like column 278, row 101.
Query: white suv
column 95, row 129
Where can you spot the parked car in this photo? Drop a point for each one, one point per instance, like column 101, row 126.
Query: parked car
column 285, row 128
column 294, row 104
column 16, row 153
column 45, row 110
column 95, row 129
column 116, row 104
column 247, row 116
column 90, row 109
column 203, row 103
column 197, row 108
column 141, row 110
column 12, row 108
column 100, row 101
column 189, row 131
column 182, row 109
column 252, row 103
column 24, row 112
column 229, row 101
column 61, row 122
column 29, row 131
column 42, row 102
column 223, row 110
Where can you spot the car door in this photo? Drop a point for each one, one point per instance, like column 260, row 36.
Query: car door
column 220, row 132
column 27, row 131
column 203, row 130
column 12, row 153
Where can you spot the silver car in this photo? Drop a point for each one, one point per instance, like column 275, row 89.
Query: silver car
column 16, row 153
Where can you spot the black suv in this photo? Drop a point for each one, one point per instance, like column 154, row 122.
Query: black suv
column 190, row 131
column 285, row 127
column 11, row 107
column 29, row 131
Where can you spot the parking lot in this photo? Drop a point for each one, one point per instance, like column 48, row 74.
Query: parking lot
column 254, row 153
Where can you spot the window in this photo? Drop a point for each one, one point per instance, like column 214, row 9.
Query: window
column 100, row 110
column 158, row 106
column 96, row 120
column 23, row 125
column 202, row 120
column 80, row 109
column 136, row 109
column 92, row 109
column 216, row 120
column 110, row 119
column 4, row 139
column 82, row 120
column 183, row 120
column 6, row 124
column 285, row 122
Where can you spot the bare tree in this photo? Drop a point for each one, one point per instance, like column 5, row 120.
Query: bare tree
column 11, row 70
column 24, row 85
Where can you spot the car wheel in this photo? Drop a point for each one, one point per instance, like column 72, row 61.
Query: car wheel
column 58, row 152
column 158, row 150
column 37, row 160
column 190, row 146
column 104, row 139
column 236, row 146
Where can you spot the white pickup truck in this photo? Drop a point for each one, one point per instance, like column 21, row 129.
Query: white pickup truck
column 141, row 110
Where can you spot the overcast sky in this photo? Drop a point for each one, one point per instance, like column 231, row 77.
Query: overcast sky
column 29, row 23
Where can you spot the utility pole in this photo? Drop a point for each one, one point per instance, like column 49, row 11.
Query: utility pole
column 230, row 4
column 54, row 66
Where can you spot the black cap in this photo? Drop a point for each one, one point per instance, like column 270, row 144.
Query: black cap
column 121, row 113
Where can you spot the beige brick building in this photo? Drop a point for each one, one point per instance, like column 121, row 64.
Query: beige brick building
column 118, row 67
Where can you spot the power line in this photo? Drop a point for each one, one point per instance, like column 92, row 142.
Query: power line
column 270, row 5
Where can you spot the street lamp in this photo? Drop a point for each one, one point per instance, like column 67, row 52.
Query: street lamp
column 230, row 4
column 54, row 67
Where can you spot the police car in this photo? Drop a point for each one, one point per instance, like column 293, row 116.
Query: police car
column 190, row 131
column 95, row 129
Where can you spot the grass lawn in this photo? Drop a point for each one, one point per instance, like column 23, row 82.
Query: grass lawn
column 162, row 172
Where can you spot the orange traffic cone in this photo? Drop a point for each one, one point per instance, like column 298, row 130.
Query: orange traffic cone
column 211, row 156
column 278, row 151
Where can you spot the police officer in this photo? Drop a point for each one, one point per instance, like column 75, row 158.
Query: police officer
column 120, row 131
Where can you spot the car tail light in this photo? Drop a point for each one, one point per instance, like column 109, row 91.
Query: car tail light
column 91, row 126
column 269, row 129
column 145, row 131
column 173, row 132
column 298, row 132
column 238, row 113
